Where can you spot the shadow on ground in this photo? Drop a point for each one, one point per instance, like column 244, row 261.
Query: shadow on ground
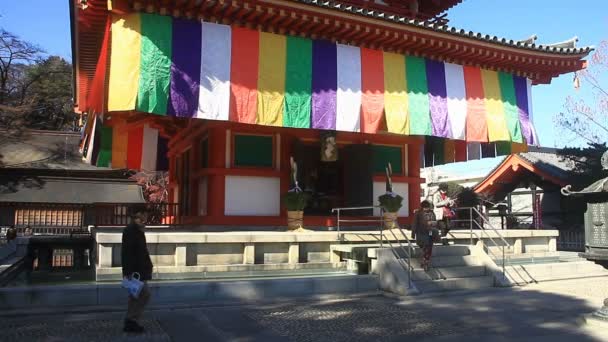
column 495, row 315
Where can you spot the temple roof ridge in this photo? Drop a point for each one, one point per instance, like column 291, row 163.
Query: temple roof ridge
column 570, row 43
column 445, row 28
column 530, row 40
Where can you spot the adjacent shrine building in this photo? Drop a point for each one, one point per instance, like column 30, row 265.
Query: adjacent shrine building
column 223, row 94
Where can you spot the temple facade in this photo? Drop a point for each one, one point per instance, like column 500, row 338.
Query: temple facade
column 225, row 94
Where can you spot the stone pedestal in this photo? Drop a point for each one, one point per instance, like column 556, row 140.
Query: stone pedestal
column 600, row 317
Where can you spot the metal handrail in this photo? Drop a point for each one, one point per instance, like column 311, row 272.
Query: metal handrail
column 505, row 243
column 408, row 252
column 338, row 220
column 407, row 264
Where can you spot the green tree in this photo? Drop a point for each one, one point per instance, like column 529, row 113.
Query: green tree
column 35, row 90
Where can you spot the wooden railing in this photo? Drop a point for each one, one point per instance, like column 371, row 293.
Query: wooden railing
column 55, row 218
column 571, row 241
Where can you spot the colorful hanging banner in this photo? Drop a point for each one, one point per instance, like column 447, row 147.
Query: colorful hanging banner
column 395, row 94
column 185, row 68
column 477, row 126
column 495, row 111
column 420, row 119
column 348, row 102
column 244, row 75
column 435, row 73
column 457, row 100
column 218, row 72
column 372, row 89
column 324, row 84
column 214, row 96
column 155, row 64
column 271, row 79
column 125, row 56
column 298, row 82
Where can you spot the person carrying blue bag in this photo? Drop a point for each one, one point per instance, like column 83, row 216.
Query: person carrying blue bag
column 136, row 270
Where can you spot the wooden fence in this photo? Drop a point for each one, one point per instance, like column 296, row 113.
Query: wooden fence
column 54, row 218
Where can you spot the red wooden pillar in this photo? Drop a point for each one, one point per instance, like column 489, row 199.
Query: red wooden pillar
column 413, row 162
column 195, row 166
column 217, row 161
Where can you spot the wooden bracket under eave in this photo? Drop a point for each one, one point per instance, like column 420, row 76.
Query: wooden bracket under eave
column 119, row 6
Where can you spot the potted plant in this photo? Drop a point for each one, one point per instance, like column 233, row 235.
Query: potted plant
column 390, row 201
column 295, row 201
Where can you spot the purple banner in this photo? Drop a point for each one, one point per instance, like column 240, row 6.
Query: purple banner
column 185, row 69
column 438, row 99
column 324, row 84
column 521, row 95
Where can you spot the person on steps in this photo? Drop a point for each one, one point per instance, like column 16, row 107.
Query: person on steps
column 136, row 259
column 443, row 210
column 425, row 232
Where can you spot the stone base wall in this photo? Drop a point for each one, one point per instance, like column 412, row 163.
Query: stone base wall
column 179, row 255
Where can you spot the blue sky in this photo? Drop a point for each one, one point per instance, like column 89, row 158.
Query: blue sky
column 47, row 24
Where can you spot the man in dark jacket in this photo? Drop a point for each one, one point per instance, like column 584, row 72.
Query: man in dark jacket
column 136, row 259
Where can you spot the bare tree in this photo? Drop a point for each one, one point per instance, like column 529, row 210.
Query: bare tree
column 586, row 118
column 14, row 54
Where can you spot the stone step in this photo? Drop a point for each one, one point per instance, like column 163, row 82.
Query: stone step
column 449, row 272
column 438, row 250
column 455, row 284
column 230, row 271
column 564, row 267
column 555, row 271
column 449, row 261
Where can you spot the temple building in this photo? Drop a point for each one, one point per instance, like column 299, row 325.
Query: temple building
column 224, row 93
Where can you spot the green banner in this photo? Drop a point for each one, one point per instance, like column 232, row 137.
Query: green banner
column 298, row 83
column 507, row 91
column 418, row 96
column 155, row 64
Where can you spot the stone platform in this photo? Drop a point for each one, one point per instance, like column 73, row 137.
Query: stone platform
column 184, row 254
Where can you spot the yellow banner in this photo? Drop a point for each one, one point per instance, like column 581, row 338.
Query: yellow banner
column 396, row 105
column 124, row 62
column 271, row 79
column 495, row 110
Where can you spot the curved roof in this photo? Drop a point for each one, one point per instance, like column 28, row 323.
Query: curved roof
column 544, row 164
column 424, row 8
column 341, row 21
column 438, row 27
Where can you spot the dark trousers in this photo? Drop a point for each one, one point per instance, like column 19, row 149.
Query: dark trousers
column 427, row 253
column 444, row 225
column 136, row 306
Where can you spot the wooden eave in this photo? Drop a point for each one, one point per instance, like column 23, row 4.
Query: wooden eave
column 318, row 21
column 508, row 169
column 428, row 9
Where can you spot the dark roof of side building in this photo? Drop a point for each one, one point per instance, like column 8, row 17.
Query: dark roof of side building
column 43, row 150
column 46, row 166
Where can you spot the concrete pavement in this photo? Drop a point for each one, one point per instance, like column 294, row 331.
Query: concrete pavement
column 545, row 312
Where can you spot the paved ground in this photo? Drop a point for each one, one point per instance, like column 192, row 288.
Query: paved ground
column 547, row 312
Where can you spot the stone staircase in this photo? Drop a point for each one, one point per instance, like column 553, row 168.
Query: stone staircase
column 453, row 268
column 542, row 267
